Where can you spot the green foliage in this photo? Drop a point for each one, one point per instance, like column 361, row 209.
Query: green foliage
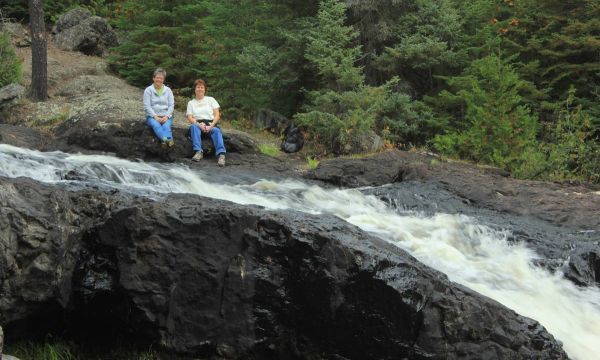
column 18, row 9
column 269, row 149
column 401, row 120
column 497, row 127
column 161, row 34
column 574, row 147
column 46, row 351
column 338, row 114
column 312, row 162
column 563, row 38
column 423, row 40
column 339, row 120
column 66, row 350
column 330, row 48
column 10, row 65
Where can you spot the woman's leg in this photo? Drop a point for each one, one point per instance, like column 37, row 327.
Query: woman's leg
column 156, row 127
column 196, row 137
column 166, row 126
column 217, row 138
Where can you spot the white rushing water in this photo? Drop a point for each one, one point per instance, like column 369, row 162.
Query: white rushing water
column 469, row 253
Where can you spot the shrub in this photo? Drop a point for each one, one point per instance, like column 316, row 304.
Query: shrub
column 573, row 150
column 10, row 65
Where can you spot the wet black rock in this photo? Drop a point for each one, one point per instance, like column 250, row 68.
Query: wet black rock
column 380, row 169
column 583, row 266
column 208, row 278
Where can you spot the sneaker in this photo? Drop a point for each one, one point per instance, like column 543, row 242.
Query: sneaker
column 197, row 156
column 221, row 161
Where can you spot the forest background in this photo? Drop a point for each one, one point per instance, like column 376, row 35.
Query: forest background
column 510, row 83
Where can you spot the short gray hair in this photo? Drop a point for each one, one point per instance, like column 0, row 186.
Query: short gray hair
column 160, row 71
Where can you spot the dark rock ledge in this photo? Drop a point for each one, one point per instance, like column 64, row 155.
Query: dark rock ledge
column 212, row 279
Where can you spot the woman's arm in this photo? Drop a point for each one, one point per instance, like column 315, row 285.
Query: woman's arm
column 148, row 104
column 216, row 117
column 170, row 103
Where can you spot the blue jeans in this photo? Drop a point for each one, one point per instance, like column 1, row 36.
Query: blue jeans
column 215, row 134
column 162, row 131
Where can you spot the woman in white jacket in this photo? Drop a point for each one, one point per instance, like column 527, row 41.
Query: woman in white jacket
column 159, row 104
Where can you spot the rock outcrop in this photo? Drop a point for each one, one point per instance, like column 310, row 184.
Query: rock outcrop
column 79, row 31
column 380, row 169
column 210, row 278
column 270, row 120
column 11, row 93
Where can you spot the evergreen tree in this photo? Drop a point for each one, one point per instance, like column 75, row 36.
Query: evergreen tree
column 497, row 128
column 245, row 54
column 424, row 42
column 336, row 112
column 160, row 33
column 331, row 48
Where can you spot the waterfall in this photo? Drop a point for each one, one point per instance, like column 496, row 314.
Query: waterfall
column 470, row 253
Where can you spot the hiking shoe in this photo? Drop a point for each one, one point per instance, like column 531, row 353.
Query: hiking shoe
column 221, row 161
column 197, row 156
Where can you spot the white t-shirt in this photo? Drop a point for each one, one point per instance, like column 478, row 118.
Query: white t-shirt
column 202, row 109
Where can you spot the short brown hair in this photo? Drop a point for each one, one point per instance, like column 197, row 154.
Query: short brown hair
column 199, row 82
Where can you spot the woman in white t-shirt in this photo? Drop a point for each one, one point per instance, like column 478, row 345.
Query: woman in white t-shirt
column 203, row 115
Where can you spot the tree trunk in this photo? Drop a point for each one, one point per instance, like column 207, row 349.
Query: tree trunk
column 39, row 63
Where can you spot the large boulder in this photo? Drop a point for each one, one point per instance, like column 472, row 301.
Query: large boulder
column 583, row 267
column 379, row 169
column 92, row 35
column 270, row 120
column 70, row 19
column 366, row 142
column 19, row 33
column 208, row 278
column 10, row 93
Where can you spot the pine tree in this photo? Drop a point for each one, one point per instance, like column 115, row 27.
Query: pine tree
column 497, row 127
column 332, row 48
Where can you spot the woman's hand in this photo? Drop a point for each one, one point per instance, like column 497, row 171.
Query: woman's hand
column 161, row 119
